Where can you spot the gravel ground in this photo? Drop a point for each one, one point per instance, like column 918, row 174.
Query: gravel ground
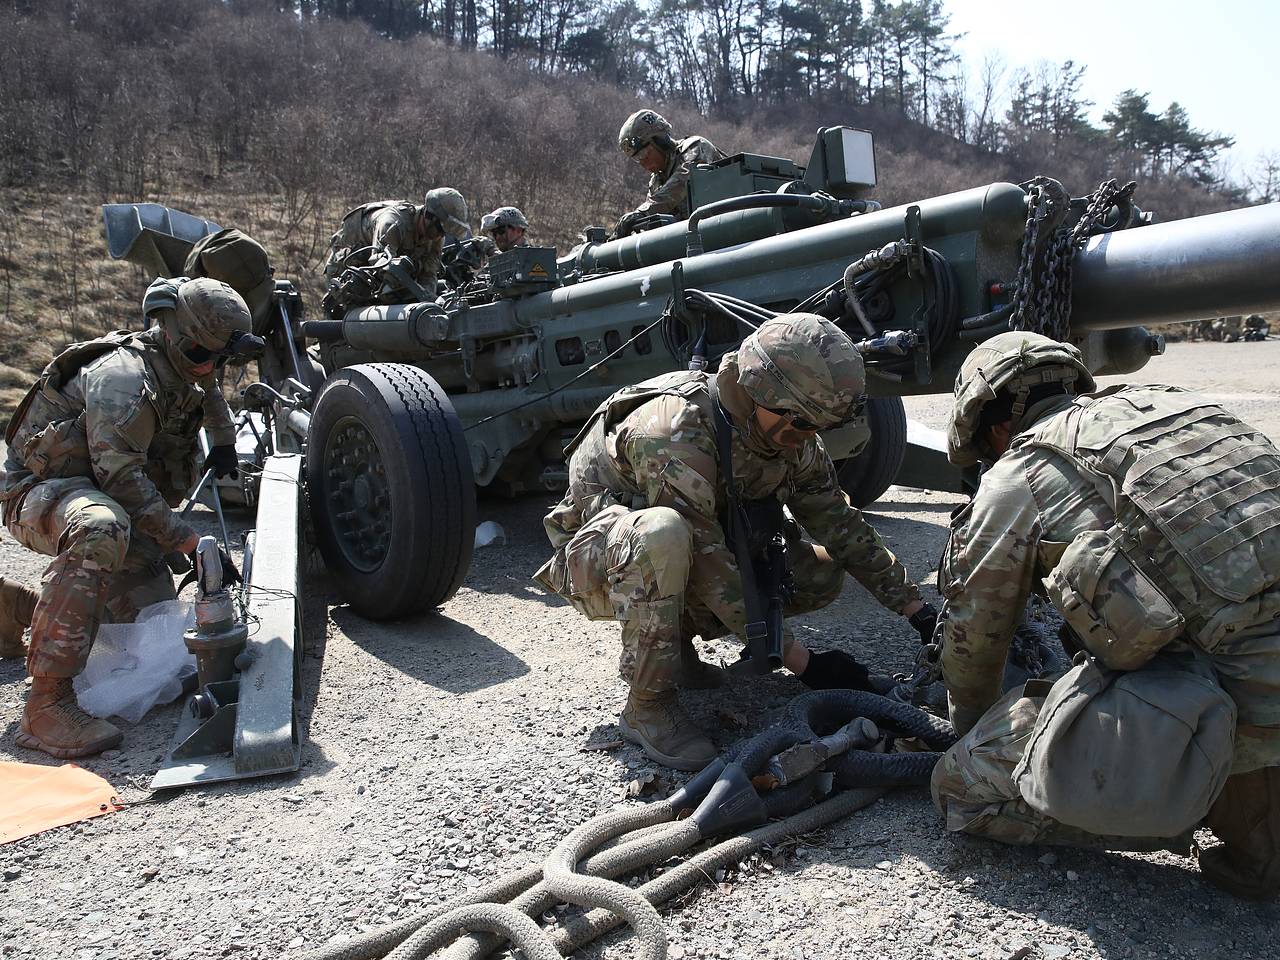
column 446, row 750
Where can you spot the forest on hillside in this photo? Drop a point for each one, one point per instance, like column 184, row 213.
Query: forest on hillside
column 277, row 115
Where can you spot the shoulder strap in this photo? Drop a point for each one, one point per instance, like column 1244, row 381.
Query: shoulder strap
column 764, row 643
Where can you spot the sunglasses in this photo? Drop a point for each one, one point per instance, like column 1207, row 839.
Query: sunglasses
column 634, row 145
column 241, row 344
column 806, row 426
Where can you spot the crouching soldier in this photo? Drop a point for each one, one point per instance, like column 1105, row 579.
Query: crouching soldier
column 649, row 533
column 1150, row 517
column 101, row 449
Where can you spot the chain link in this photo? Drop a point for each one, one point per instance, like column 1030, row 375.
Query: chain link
column 1042, row 304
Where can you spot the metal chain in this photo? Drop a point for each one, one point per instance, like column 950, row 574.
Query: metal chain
column 1049, row 296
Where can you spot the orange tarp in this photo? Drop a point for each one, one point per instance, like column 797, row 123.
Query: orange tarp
column 35, row 798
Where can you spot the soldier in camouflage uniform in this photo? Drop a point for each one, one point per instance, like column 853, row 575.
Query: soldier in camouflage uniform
column 398, row 229
column 645, row 137
column 638, row 536
column 503, row 229
column 1228, row 329
column 100, row 450
column 1256, row 327
column 1151, row 518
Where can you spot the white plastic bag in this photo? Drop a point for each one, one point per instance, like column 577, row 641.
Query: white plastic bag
column 134, row 666
column 489, row 534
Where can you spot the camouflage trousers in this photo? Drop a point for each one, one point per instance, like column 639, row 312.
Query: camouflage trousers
column 98, row 571
column 633, row 566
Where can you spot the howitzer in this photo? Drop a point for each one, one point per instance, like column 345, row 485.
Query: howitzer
column 421, row 402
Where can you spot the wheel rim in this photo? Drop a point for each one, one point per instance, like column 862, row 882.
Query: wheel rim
column 358, row 495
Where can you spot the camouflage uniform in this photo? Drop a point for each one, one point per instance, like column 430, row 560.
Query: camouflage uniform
column 638, row 536
column 1197, row 521
column 99, row 452
column 669, row 189
column 1228, row 329
column 387, row 226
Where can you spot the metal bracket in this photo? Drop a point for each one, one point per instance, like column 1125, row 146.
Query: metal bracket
column 911, row 232
column 253, row 730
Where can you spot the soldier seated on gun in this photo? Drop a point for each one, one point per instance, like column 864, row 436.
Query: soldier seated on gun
column 396, row 231
column 673, row 524
column 503, row 229
column 1151, row 519
column 100, row 450
column 645, row 137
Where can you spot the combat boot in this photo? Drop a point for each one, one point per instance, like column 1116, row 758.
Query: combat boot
column 695, row 673
column 17, row 604
column 655, row 722
column 53, row 722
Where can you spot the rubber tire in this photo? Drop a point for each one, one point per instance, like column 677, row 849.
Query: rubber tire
column 867, row 476
column 430, row 484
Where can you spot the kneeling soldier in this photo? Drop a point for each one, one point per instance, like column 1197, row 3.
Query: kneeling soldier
column 100, row 449
column 678, row 483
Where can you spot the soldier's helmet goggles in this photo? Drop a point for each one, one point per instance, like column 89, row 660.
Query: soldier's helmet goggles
column 808, row 426
column 633, row 145
column 241, row 346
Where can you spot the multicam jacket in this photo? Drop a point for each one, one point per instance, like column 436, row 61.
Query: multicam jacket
column 669, row 190
column 386, row 226
column 655, row 445
column 114, row 409
column 1186, row 494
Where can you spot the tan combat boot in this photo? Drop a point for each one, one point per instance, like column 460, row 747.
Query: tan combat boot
column 17, row 604
column 655, row 722
column 53, row 722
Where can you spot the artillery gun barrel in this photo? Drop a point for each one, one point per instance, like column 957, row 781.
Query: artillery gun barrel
column 1222, row 264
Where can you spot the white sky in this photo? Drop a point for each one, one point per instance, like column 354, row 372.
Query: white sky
column 1220, row 60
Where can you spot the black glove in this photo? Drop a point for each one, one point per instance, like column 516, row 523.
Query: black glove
column 626, row 223
column 836, row 670
column 230, row 574
column 924, row 621
column 224, row 461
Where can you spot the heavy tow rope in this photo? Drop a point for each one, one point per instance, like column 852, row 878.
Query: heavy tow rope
column 791, row 771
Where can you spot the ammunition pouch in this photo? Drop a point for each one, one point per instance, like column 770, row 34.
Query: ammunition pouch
column 1118, row 612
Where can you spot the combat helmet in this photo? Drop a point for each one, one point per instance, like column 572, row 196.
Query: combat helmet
column 238, row 261
column 1015, row 362
column 503, row 217
column 447, row 205
column 203, row 318
column 805, row 364
column 641, row 129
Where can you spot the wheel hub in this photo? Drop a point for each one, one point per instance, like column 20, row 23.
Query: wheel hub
column 359, row 499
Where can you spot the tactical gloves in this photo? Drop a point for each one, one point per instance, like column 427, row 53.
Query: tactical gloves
column 230, row 574
column 222, row 458
column 836, row 670
column 924, row 621
column 626, row 224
